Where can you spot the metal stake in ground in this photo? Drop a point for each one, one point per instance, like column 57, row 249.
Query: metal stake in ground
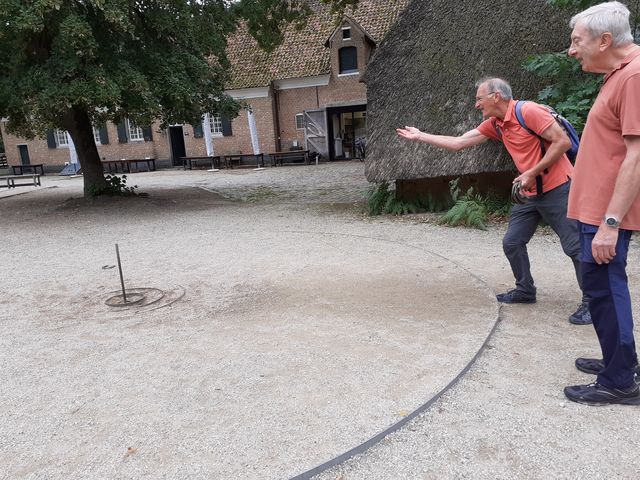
column 124, row 293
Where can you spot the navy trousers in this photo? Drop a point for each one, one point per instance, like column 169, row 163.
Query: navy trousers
column 524, row 219
column 610, row 307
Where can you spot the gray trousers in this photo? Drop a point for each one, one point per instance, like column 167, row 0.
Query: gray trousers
column 552, row 208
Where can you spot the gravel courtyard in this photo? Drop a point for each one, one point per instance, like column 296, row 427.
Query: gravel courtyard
column 280, row 328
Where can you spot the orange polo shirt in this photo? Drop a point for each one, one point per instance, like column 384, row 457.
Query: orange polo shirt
column 615, row 114
column 523, row 147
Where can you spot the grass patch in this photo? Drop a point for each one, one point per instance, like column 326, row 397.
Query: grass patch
column 261, row 193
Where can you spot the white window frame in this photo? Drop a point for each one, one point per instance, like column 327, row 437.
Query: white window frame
column 96, row 135
column 62, row 141
column 134, row 133
column 215, row 125
column 343, row 37
column 300, row 125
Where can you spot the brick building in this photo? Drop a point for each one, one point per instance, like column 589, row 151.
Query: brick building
column 306, row 93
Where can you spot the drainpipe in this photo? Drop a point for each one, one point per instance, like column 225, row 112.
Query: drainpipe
column 276, row 117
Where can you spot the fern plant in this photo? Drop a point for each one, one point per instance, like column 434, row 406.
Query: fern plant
column 380, row 199
column 468, row 210
column 474, row 209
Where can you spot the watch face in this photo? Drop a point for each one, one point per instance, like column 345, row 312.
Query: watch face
column 612, row 222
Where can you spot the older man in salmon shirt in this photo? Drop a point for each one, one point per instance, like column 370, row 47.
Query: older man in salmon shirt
column 605, row 199
column 545, row 177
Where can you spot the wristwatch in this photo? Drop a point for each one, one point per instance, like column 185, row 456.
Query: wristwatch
column 612, row 222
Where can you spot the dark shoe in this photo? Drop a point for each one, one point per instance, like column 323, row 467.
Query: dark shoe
column 596, row 394
column 516, row 296
column 595, row 365
column 590, row 365
column 581, row 316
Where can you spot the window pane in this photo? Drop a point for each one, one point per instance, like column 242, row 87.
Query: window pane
column 299, row 121
column 348, row 59
column 215, row 123
column 61, row 137
column 96, row 135
column 135, row 133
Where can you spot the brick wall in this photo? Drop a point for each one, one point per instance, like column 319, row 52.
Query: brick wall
column 159, row 147
column 290, row 103
column 240, row 141
column 55, row 158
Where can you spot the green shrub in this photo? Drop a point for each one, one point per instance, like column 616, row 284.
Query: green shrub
column 116, row 186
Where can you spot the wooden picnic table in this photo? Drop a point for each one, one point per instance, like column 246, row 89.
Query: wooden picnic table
column 19, row 169
column 213, row 160
column 239, row 157
column 279, row 157
column 125, row 164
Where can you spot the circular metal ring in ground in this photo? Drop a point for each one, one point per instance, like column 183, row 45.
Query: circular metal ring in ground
column 120, row 301
column 144, row 298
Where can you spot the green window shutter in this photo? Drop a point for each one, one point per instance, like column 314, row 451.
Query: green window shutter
column 104, row 136
column 122, row 132
column 197, row 131
column 51, row 139
column 226, row 127
column 146, row 134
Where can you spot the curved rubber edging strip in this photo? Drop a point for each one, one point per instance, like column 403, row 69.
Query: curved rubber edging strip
column 396, row 426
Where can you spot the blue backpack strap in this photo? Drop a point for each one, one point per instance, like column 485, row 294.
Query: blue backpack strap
column 523, row 124
column 520, row 117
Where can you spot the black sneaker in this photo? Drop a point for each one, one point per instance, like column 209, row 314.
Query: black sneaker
column 595, row 365
column 590, row 365
column 596, row 394
column 516, row 296
column 581, row 316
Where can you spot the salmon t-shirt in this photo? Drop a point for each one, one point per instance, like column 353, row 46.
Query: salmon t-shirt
column 614, row 115
column 523, row 147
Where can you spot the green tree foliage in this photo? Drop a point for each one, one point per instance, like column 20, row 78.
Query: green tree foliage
column 72, row 63
column 570, row 91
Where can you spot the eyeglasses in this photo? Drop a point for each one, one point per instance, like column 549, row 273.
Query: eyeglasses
column 478, row 99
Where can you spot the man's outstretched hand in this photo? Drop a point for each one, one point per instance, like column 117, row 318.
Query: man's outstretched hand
column 410, row 133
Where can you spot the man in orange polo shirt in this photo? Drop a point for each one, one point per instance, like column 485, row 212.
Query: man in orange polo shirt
column 605, row 198
column 494, row 98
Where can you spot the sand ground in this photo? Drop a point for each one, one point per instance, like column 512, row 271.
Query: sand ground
column 281, row 327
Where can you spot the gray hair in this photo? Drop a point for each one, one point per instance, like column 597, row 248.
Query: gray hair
column 497, row 85
column 612, row 17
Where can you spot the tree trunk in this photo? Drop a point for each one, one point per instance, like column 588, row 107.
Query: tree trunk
column 77, row 123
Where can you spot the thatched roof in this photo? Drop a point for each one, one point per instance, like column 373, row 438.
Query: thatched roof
column 304, row 53
column 424, row 75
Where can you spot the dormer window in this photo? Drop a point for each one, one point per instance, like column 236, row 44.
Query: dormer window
column 346, row 33
column 348, row 57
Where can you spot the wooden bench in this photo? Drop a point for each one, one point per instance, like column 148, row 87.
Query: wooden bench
column 280, row 157
column 214, row 161
column 125, row 164
column 19, row 169
column 11, row 180
column 240, row 157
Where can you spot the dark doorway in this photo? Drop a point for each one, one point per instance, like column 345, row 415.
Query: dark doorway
column 176, row 137
column 345, row 126
column 24, row 155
